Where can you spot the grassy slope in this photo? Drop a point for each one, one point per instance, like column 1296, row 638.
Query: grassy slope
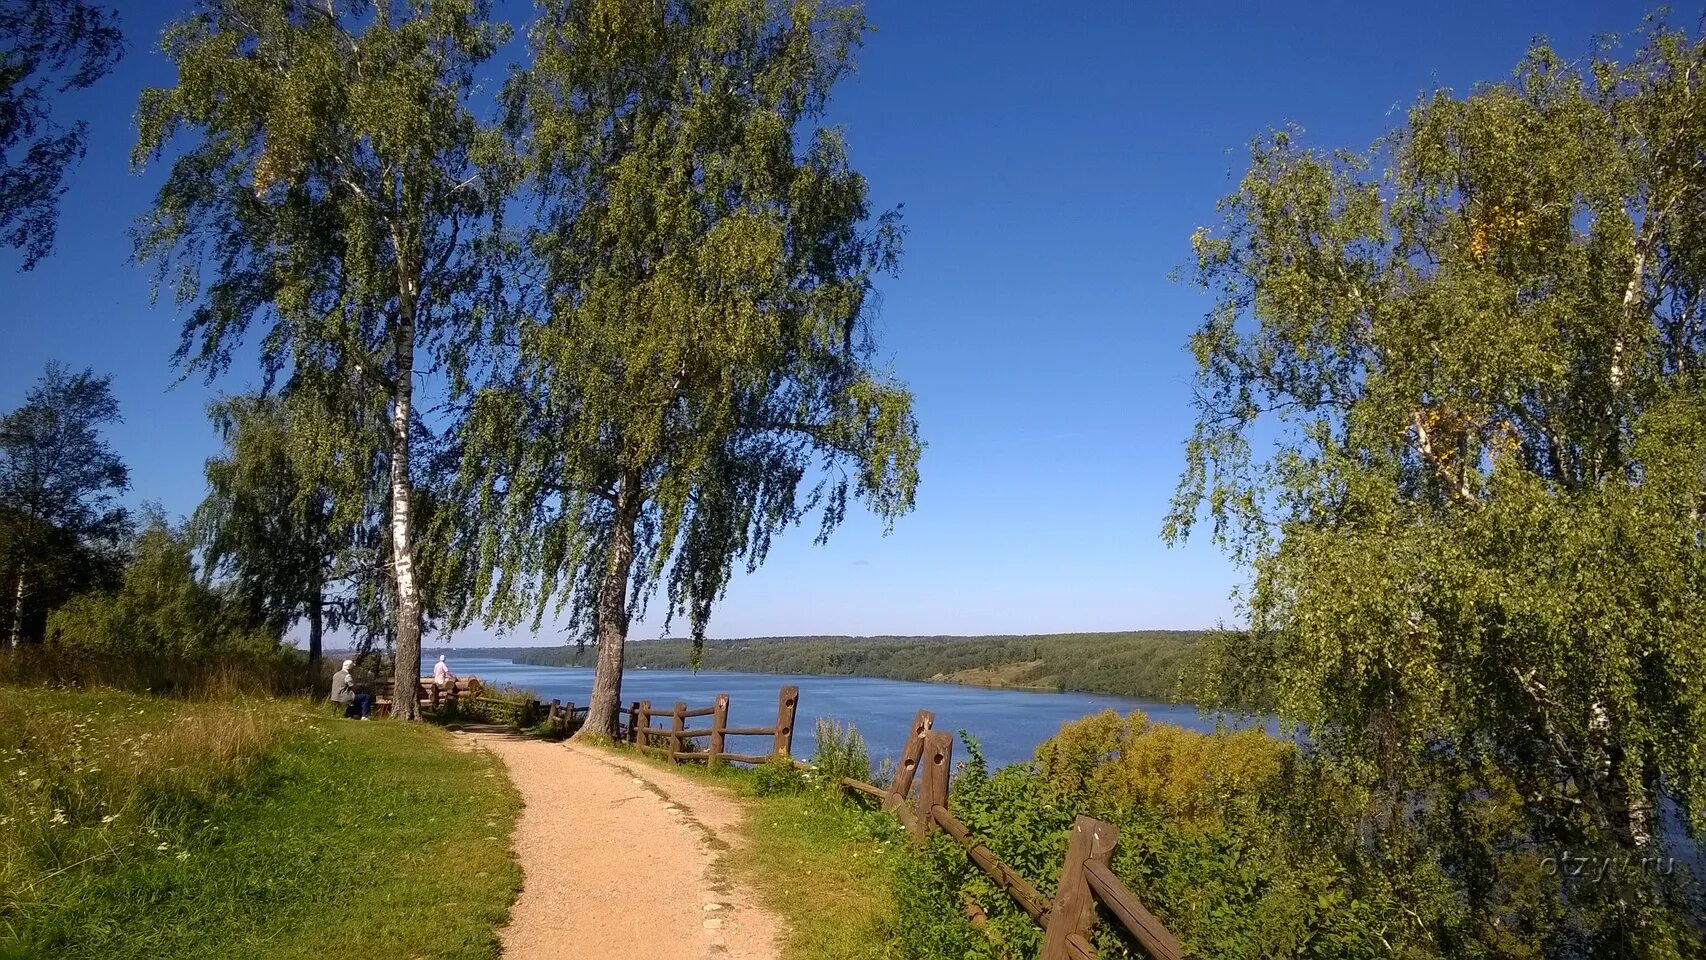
column 1146, row 663
column 349, row 839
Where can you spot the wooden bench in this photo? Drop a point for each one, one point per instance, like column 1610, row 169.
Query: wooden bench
column 428, row 694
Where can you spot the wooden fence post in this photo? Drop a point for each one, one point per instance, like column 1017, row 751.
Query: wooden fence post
column 432, row 699
column 633, row 721
column 786, row 703
column 933, row 789
column 645, row 716
column 553, row 717
column 677, row 723
column 1074, row 907
column 901, row 783
column 719, row 721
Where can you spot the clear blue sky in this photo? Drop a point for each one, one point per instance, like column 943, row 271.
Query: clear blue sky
column 1053, row 160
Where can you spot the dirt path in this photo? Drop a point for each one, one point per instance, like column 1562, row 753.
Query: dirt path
column 620, row 860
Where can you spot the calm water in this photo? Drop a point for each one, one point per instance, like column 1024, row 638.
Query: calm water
column 1008, row 723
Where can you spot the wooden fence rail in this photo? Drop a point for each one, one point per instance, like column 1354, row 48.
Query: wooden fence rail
column 917, row 795
column 638, row 725
column 1085, row 879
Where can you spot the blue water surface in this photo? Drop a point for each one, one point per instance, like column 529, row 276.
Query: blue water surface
column 1008, row 724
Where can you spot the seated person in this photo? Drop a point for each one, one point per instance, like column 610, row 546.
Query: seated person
column 356, row 705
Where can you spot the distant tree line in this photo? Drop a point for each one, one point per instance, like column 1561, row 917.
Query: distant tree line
column 1144, row 663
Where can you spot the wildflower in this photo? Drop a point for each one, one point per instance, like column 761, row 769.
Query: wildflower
column 109, row 818
column 58, row 816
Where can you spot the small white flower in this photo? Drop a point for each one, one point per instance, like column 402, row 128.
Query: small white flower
column 109, row 818
column 58, row 816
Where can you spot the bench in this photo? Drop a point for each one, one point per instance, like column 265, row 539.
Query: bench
column 428, row 694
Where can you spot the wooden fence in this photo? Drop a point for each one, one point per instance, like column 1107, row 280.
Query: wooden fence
column 918, row 795
column 1085, row 878
column 635, row 726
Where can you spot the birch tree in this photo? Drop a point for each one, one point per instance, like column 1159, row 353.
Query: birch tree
column 330, row 182
column 700, row 373
column 1476, row 540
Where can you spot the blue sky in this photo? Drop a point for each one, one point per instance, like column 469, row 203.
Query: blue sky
column 1053, row 160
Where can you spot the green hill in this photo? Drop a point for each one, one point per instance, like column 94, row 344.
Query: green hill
column 1143, row 663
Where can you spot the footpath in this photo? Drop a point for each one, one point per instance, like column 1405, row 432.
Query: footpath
column 620, row 859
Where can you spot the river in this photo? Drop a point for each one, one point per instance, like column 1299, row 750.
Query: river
column 1008, row 724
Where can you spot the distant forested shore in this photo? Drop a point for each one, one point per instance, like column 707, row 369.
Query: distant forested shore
column 1141, row 663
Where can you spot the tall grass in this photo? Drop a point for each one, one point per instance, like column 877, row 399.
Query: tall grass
column 215, row 675
column 136, row 827
column 841, row 752
column 93, row 776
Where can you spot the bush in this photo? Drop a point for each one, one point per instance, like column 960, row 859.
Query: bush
column 840, row 753
column 161, row 607
column 1224, row 836
column 777, row 776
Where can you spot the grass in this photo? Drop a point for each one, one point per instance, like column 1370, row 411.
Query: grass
column 821, row 863
column 824, row 866
column 135, row 826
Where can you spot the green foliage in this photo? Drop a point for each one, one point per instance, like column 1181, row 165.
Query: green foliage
column 1145, row 663
column 206, row 829
column 46, row 47
column 1479, row 574
column 160, row 607
column 699, row 374
column 220, row 673
column 1224, row 836
column 338, row 196
column 60, row 521
column 270, row 526
column 841, row 752
column 777, row 777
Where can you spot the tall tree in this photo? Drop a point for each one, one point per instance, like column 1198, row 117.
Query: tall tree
column 1479, row 572
column 271, row 524
column 336, row 186
column 701, row 356
column 47, row 47
column 60, row 520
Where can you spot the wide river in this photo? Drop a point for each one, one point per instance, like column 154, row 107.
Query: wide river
column 1007, row 723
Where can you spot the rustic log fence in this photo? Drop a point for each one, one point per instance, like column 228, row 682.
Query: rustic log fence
column 1085, row 878
column 917, row 795
column 676, row 740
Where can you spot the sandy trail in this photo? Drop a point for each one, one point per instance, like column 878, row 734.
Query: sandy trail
column 622, row 860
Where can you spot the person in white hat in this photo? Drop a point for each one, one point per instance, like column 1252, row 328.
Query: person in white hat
column 343, row 691
column 441, row 674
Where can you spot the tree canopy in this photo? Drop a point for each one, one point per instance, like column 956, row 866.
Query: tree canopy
column 698, row 374
column 271, row 529
column 1476, row 537
column 161, row 606
column 332, row 194
column 46, row 48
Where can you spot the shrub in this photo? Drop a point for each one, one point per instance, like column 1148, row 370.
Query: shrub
column 777, row 776
column 1225, row 836
column 161, row 607
column 840, row 753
